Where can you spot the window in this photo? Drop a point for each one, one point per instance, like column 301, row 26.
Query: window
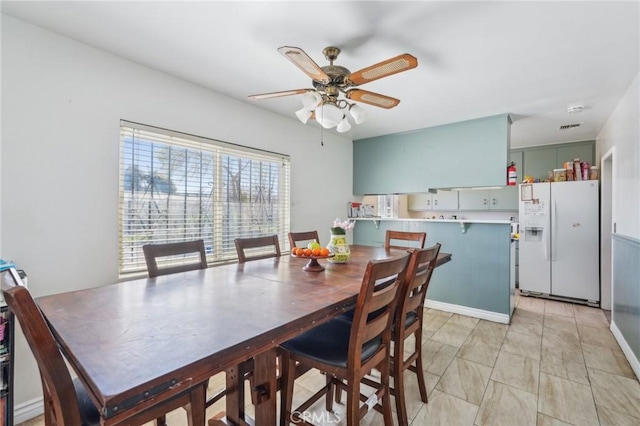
column 178, row 187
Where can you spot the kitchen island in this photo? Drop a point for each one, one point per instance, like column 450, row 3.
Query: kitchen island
column 480, row 279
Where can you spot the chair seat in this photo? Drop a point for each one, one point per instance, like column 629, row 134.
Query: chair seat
column 329, row 343
column 88, row 412
column 410, row 318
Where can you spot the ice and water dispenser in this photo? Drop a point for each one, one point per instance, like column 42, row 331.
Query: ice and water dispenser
column 533, row 231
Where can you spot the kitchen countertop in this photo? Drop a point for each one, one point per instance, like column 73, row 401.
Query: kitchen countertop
column 501, row 222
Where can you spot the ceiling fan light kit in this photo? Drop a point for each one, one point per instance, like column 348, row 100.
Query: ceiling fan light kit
column 333, row 81
column 329, row 115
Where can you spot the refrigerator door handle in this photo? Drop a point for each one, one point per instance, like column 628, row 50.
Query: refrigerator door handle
column 554, row 219
column 545, row 242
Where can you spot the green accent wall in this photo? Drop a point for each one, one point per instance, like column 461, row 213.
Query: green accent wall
column 464, row 154
column 626, row 289
column 478, row 274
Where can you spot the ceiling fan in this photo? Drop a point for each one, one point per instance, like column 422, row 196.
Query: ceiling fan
column 332, row 81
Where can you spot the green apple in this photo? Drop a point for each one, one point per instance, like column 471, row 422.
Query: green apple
column 313, row 245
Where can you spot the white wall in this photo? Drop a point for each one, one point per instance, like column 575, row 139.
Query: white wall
column 622, row 130
column 61, row 106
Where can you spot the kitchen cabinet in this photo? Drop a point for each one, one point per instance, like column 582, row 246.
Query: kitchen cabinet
column 538, row 162
column 464, row 154
column 489, row 199
column 442, row 200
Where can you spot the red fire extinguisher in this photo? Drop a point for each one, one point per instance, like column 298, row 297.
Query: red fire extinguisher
column 512, row 175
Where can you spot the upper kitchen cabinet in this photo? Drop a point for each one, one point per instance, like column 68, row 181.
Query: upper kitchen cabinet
column 464, row 154
column 442, row 200
column 505, row 198
column 539, row 161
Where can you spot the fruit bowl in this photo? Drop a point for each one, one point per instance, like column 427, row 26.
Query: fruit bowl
column 313, row 265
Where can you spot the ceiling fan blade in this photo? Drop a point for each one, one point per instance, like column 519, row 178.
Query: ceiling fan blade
column 386, row 68
column 372, row 98
column 304, row 62
column 279, row 94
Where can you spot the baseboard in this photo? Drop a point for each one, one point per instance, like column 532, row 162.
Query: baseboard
column 470, row 312
column 28, row 410
column 626, row 349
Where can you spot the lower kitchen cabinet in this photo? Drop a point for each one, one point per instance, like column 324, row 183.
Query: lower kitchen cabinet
column 489, row 199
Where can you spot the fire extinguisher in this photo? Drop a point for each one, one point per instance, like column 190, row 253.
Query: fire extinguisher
column 512, row 175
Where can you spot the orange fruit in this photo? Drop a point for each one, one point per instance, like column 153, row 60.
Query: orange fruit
column 324, row 251
column 293, row 250
column 299, row 251
column 307, row 252
column 315, row 251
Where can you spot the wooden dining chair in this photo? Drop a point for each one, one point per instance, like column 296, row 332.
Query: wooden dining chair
column 154, row 251
column 408, row 322
column 66, row 401
column 305, row 237
column 255, row 248
column 409, row 239
column 347, row 351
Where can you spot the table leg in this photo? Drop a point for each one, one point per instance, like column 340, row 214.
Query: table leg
column 235, row 395
column 265, row 387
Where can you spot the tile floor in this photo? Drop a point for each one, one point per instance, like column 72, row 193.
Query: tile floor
column 556, row 364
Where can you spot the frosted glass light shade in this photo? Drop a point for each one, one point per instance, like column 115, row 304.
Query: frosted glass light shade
column 358, row 113
column 328, row 115
column 303, row 115
column 311, row 100
column 344, row 125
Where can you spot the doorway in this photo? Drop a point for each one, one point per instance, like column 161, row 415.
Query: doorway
column 607, row 227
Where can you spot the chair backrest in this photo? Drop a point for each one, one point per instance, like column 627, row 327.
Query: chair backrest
column 376, row 304
column 57, row 385
column 294, row 237
column 154, row 251
column 418, row 238
column 416, row 283
column 254, row 248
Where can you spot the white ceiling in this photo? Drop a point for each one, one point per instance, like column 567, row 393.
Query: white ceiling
column 476, row 59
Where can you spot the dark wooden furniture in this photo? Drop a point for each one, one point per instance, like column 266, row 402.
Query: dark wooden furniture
column 154, row 251
column 418, row 238
column 171, row 332
column 347, row 351
column 66, row 400
column 408, row 322
column 7, row 357
column 256, row 248
column 294, row 237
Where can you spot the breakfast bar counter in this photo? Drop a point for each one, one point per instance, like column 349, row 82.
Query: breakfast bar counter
column 481, row 283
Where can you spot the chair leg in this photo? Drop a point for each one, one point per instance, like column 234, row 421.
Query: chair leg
column 161, row 421
column 338, row 393
column 386, row 396
column 398, row 381
column 196, row 407
column 329, row 396
column 288, row 376
column 419, row 368
column 353, row 402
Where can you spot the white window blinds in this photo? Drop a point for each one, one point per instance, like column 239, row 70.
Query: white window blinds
column 178, row 187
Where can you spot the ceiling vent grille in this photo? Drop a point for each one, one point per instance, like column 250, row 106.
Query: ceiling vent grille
column 569, row 126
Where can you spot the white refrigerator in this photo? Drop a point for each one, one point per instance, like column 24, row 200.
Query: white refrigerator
column 559, row 240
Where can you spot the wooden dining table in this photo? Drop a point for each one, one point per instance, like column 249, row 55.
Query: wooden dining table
column 137, row 343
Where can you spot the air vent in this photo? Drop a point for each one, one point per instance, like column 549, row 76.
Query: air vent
column 569, row 126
